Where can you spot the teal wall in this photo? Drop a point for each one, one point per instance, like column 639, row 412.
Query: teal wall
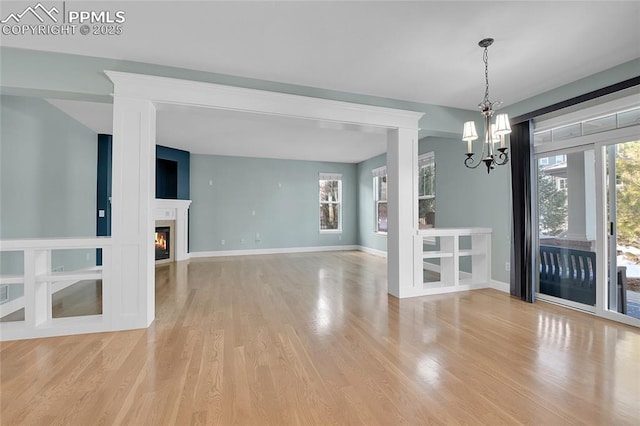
column 47, row 179
column 283, row 194
column 471, row 197
column 65, row 76
column 48, row 172
column 588, row 84
column 367, row 237
column 464, row 198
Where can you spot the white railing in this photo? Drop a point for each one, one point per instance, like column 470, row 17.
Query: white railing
column 40, row 282
column 444, row 244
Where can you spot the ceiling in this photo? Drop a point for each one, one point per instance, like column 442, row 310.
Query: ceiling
column 423, row 52
column 224, row 132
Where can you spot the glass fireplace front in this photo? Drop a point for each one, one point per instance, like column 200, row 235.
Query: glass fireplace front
column 163, row 245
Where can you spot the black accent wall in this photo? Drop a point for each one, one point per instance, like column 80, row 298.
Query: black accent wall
column 172, row 179
column 103, row 192
column 172, row 173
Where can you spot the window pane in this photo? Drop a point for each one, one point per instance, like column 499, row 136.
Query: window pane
column 382, row 217
column 426, row 213
column 382, row 188
column 567, row 228
column 552, row 197
column 381, row 223
column 329, row 218
column 567, row 132
column 426, row 180
column 597, row 125
column 629, row 118
column 542, row 137
column 329, row 190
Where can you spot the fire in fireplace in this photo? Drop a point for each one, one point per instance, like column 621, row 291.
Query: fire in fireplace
column 163, row 245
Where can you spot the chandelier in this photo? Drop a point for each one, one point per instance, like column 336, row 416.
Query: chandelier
column 494, row 133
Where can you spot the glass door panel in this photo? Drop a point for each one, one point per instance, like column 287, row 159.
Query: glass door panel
column 623, row 202
column 567, row 226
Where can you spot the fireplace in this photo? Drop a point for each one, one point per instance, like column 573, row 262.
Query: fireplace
column 163, row 242
column 172, row 230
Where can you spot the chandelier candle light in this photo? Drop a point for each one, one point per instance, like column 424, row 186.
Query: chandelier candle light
column 493, row 133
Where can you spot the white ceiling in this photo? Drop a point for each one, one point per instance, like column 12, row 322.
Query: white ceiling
column 416, row 51
column 223, row 132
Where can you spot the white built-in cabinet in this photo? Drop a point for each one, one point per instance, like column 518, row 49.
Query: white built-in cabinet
column 451, row 259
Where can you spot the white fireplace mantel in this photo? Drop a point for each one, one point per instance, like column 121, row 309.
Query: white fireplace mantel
column 175, row 210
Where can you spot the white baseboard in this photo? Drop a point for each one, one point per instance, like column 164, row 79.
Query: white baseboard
column 286, row 250
column 372, row 251
column 500, row 286
column 418, row 291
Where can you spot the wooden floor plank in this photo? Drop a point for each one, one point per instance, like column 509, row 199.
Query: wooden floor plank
column 313, row 338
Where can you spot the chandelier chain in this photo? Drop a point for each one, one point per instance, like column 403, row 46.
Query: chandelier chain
column 485, row 58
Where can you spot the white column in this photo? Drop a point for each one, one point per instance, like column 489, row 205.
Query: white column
column 576, row 207
column 402, row 204
column 37, row 295
column 132, row 293
column 182, row 232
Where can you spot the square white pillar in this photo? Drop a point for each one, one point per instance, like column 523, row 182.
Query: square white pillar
column 402, row 205
column 133, row 197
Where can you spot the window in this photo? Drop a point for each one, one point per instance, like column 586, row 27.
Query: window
column 544, row 161
column 597, row 119
column 380, row 199
column 330, row 185
column 562, row 184
column 426, row 194
column 426, row 191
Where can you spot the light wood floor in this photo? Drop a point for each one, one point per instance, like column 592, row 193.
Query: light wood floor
column 314, row 339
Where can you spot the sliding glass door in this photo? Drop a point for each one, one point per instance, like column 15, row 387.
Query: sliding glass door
column 586, row 217
column 566, row 194
column 623, row 233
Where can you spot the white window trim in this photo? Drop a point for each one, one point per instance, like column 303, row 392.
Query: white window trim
column 585, row 114
column 380, row 171
column 618, row 106
column 338, row 177
column 426, row 158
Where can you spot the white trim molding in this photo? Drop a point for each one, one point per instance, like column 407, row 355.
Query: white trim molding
column 173, row 91
column 500, row 286
column 375, row 252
